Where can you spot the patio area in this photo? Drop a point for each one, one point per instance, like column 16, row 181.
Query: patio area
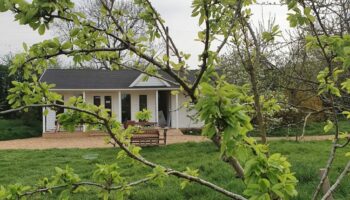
column 81, row 140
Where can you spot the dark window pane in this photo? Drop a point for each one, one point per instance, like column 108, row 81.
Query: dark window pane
column 143, row 102
column 60, row 110
column 97, row 100
column 126, row 107
column 108, row 104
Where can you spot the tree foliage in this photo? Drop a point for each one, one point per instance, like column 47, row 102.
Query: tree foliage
column 219, row 104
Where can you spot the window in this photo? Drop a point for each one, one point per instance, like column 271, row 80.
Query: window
column 108, row 104
column 126, row 107
column 143, row 102
column 60, row 110
column 97, row 100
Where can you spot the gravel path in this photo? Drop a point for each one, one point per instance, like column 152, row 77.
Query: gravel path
column 83, row 141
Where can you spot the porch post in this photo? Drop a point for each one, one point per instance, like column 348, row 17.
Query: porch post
column 44, row 117
column 156, row 113
column 177, row 110
column 120, row 106
column 84, row 99
column 44, row 120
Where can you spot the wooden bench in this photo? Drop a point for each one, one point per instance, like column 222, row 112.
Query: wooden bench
column 149, row 137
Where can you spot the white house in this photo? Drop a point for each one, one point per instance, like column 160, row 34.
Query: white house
column 124, row 92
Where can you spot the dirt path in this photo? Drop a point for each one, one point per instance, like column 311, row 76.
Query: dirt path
column 84, row 140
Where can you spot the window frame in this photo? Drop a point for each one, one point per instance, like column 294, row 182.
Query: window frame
column 143, row 105
column 95, row 99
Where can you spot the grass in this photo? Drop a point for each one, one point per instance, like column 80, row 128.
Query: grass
column 27, row 166
column 312, row 128
column 17, row 129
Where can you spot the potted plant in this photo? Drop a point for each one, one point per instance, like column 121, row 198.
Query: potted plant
column 144, row 115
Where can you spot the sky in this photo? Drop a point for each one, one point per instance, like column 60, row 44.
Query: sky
column 177, row 14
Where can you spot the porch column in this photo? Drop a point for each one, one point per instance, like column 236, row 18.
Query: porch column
column 44, row 120
column 120, row 106
column 177, row 110
column 156, row 113
column 44, row 117
column 84, row 99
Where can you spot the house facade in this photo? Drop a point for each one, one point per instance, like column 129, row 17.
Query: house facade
column 124, row 92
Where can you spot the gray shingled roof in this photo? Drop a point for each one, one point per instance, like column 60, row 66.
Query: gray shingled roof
column 92, row 79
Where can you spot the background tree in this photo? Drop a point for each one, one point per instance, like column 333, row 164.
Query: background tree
column 243, row 66
column 333, row 45
column 265, row 175
column 130, row 22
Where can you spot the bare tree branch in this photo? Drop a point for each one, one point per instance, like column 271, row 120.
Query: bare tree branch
column 337, row 182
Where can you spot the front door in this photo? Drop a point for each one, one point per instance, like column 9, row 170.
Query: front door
column 126, row 107
column 164, row 108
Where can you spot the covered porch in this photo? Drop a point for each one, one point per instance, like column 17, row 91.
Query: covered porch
column 123, row 104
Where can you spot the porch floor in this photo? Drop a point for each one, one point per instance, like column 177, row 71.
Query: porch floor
column 81, row 140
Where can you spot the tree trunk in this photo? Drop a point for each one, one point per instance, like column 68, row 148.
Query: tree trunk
column 231, row 160
column 257, row 105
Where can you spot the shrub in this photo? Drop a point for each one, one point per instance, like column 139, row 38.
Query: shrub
column 144, row 115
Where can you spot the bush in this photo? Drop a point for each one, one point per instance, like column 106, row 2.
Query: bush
column 19, row 129
column 144, row 115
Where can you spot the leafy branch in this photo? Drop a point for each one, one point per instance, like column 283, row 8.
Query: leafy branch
column 126, row 148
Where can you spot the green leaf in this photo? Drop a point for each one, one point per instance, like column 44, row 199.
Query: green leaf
column 346, row 85
column 74, row 32
column 165, row 58
column 307, row 11
column 347, row 50
column 66, row 45
column 183, row 184
column 201, row 19
column 25, row 47
column 328, row 126
column 347, row 113
column 41, row 29
column 4, row 5
column 335, row 91
column 209, row 130
column 174, row 92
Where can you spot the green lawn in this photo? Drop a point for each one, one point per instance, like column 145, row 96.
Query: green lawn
column 312, row 128
column 17, row 129
column 26, row 166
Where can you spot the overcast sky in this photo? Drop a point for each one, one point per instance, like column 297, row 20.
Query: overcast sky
column 177, row 14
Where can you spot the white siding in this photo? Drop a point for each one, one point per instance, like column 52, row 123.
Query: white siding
column 184, row 120
column 51, row 117
column 135, row 107
column 149, row 82
column 50, row 120
column 114, row 95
